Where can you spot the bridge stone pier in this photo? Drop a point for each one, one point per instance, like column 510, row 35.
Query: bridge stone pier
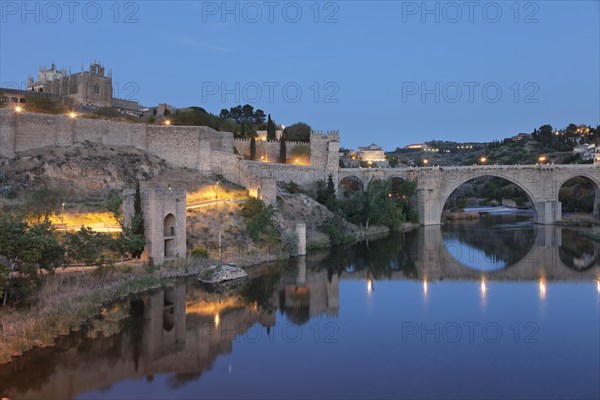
column 541, row 183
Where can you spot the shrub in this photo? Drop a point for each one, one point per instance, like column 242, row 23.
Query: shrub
column 200, row 252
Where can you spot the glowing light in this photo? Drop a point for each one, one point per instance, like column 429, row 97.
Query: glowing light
column 167, row 122
column 426, row 161
column 598, row 285
column 483, row 287
column 542, row 159
column 542, row 288
column 18, row 109
column 425, row 286
column 483, row 160
column 217, row 319
column 369, row 285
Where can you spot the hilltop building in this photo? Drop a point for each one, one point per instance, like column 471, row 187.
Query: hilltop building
column 262, row 135
column 587, row 151
column 371, row 153
column 86, row 88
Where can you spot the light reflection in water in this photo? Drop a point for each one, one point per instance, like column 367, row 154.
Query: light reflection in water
column 542, row 288
column 274, row 302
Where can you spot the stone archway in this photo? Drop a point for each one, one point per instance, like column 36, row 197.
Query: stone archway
column 350, row 184
column 169, row 233
column 451, row 188
column 585, row 182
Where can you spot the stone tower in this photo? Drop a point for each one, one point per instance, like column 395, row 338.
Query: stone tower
column 325, row 152
column 164, row 222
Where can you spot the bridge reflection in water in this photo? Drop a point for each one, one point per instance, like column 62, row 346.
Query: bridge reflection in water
column 181, row 331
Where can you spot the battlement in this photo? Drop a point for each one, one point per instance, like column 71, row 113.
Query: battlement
column 241, row 140
column 331, row 135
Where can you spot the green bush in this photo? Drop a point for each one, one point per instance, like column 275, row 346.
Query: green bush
column 200, row 252
column 259, row 223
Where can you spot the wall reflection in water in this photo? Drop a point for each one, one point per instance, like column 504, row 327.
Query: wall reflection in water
column 181, row 331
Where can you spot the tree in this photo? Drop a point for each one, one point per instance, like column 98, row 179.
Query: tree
column 247, row 113
column 259, row 116
column 88, row 247
column 271, row 129
column 298, row 132
column 42, row 203
column 253, row 148
column 282, row 150
column 131, row 239
column 374, row 206
column 137, row 224
column 326, row 193
column 26, row 249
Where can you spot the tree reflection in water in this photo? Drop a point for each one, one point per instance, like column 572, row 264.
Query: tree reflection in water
column 491, row 243
column 578, row 253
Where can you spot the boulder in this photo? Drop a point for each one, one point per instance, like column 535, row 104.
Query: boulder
column 216, row 274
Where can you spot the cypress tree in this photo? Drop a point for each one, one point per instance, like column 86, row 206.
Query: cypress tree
column 282, row 150
column 137, row 221
column 271, row 135
column 253, row 148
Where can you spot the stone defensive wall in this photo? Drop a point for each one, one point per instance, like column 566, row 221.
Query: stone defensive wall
column 269, row 149
column 196, row 147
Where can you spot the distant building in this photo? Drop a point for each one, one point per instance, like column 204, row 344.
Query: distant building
column 262, row 135
column 371, row 153
column 521, row 137
column 86, row 88
column 587, row 151
column 422, row 147
column 419, row 146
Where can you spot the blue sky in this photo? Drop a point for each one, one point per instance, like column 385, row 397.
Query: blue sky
column 387, row 72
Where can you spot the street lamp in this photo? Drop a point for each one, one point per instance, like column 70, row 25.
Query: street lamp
column 425, row 162
column 542, row 159
column 483, row 160
column 18, row 109
column 167, row 122
column 217, row 191
column 72, row 115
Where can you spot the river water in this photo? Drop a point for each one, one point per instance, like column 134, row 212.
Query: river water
column 493, row 308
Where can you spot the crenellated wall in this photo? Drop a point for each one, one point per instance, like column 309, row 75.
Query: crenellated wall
column 269, row 149
column 195, row 147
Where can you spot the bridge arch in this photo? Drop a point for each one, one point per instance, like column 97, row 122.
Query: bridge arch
column 593, row 179
column 350, row 184
column 450, row 188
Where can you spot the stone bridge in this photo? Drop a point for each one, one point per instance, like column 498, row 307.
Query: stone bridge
column 541, row 183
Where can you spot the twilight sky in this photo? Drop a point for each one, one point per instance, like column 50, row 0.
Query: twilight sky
column 389, row 72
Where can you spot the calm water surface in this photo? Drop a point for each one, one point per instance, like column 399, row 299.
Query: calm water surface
column 497, row 308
